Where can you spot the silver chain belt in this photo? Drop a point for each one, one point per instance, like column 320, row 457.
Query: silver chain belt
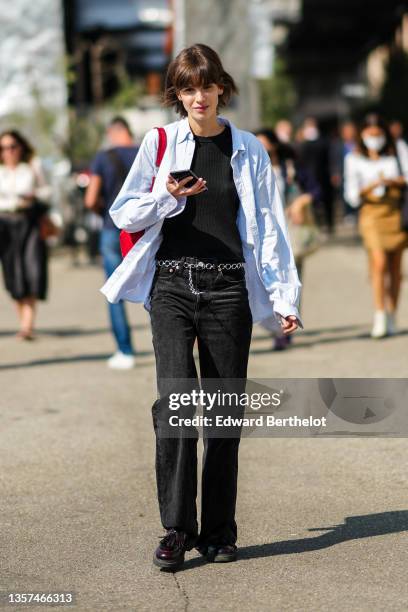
column 201, row 265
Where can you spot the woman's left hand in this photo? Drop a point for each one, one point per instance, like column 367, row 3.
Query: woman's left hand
column 397, row 182
column 289, row 324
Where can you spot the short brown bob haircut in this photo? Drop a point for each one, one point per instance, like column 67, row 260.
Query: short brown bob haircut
column 194, row 66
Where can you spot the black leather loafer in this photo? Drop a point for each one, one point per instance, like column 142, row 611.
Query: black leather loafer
column 222, row 553
column 170, row 552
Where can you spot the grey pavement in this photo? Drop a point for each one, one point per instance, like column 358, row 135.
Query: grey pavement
column 322, row 522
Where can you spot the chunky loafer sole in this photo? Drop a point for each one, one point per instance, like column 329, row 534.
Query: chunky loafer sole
column 168, row 564
column 213, row 556
column 225, row 557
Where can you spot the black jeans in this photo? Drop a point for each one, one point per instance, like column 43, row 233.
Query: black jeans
column 220, row 320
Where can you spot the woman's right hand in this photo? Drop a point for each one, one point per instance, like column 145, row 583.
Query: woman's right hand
column 178, row 189
column 371, row 186
column 26, row 201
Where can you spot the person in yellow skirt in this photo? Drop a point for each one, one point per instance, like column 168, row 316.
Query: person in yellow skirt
column 374, row 181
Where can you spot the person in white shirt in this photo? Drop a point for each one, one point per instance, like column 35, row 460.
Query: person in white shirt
column 23, row 194
column 374, row 180
column 214, row 258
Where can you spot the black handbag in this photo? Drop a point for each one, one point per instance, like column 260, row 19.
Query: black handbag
column 404, row 210
column 404, row 202
column 4, row 237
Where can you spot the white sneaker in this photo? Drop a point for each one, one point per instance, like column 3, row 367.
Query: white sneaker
column 380, row 324
column 120, row 361
column 391, row 327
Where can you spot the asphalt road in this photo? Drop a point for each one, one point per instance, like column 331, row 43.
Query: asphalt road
column 322, row 522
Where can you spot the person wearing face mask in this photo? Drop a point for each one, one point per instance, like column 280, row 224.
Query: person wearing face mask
column 374, row 180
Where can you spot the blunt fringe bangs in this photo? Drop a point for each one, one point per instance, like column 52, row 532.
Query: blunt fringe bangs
column 194, row 66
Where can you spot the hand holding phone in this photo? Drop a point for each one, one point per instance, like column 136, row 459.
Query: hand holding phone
column 184, row 183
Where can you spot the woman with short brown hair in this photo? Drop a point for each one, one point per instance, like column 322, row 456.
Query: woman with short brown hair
column 198, row 63
column 214, row 258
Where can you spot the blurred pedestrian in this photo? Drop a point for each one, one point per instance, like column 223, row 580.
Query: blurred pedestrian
column 313, row 152
column 284, row 131
column 339, row 148
column 24, row 194
column 374, row 183
column 210, row 263
column 276, row 151
column 396, row 129
column 299, row 190
column 397, row 132
column 108, row 172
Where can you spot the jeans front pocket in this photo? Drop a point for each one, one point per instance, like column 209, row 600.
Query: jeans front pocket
column 231, row 278
column 162, row 280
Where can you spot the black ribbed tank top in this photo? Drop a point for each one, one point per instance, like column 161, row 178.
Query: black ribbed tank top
column 207, row 227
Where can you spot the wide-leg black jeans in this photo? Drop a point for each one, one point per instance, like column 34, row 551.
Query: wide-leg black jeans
column 220, row 320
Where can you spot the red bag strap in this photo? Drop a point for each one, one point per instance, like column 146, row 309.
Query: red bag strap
column 127, row 239
column 162, row 145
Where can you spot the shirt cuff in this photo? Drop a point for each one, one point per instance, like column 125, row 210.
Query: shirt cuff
column 166, row 203
column 286, row 309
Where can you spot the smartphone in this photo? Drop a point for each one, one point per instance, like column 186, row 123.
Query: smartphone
column 179, row 175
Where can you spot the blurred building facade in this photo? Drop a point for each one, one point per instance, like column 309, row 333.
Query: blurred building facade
column 337, row 53
column 109, row 42
column 32, row 77
column 225, row 26
column 137, row 38
column 243, row 33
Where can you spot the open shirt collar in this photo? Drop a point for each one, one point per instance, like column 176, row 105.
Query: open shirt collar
column 184, row 131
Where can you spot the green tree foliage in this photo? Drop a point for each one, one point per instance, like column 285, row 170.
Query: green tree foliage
column 87, row 127
column 277, row 95
column 85, row 136
column 39, row 126
column 129, row 93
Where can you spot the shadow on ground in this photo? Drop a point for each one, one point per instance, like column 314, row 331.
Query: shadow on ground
column 354, row 528
column 71, row 359
column 67, row 332
column 318, row 331
column 333, row 339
